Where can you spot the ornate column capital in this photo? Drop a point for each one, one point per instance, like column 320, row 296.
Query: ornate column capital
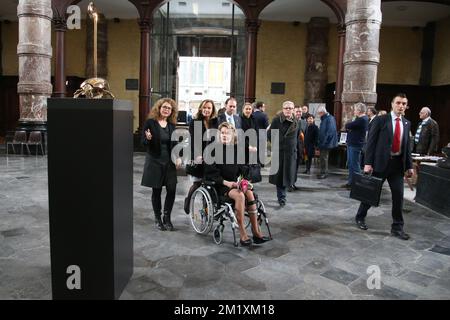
column 341, row 30
column 145, row 25
column 252, row 25
column 60, row 24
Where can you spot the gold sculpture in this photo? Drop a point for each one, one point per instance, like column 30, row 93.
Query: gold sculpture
column 94, row 88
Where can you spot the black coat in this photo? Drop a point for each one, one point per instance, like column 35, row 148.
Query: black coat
column 155, row 173
column 213, row 124
column 226, row 170
column 311, row 138
column 249, row 123
column 429, row 138
column 261, row 119
column 154, row 145
column 289, row 131
column 379, row 144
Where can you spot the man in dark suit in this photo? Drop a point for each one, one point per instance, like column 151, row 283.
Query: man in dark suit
column 371, row 114
column 230, row 113
column 388, row 156
column 260, row 116
column 426, row 138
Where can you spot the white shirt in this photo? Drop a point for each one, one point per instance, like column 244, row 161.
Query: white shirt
column 394, row 116
column 230, row 119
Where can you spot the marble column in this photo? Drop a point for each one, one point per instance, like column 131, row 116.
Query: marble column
column 316, row 75
column 361, row 58
column 35, row 54
column 252, row 26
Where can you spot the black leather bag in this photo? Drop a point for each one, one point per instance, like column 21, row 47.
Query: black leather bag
column 366, row 188
column 254, row 173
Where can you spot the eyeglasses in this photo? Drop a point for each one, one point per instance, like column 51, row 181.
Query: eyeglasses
column 166, row 107
column 287, row 108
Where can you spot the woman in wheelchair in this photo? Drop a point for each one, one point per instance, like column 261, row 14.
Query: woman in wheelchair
column 224, row 173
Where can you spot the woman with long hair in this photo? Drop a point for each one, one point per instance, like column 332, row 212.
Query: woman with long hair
column 205, row 119
column 225, row 173
column 159, row 167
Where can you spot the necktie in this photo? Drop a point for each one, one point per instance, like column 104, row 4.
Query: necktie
column 396, row 142
column 231, row 120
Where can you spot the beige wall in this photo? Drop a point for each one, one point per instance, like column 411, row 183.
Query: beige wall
column 10, row 38
column 123, row 60
column 75, row 51
column 441, row 62
column 281, row 58
column 400, row 51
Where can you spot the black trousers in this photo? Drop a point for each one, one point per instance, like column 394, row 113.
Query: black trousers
column 394, row 176
column 168, row 203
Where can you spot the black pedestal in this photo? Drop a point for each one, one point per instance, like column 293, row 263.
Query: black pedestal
column 338, row 157
column 433, row 185
column 90, row 182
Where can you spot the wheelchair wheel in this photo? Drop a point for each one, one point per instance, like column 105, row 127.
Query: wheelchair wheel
column 201, row 211
column 218, row 234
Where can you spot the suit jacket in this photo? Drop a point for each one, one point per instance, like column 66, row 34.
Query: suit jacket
column 262, row 121
column 379, row 144
column 237, row 120
column 429, row 138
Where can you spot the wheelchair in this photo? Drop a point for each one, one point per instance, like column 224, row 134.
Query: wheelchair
column 206, row 208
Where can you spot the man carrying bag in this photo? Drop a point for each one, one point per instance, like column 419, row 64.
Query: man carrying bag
column 388, row 156
column 366, row 188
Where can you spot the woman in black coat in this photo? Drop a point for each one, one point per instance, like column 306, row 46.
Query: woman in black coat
column 205, row 119
column 159, row 169
column 225, row 173
column 311, row 138
column 249, row 123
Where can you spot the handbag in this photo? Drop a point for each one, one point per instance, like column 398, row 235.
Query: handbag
column 366, row 188
column 254, row 173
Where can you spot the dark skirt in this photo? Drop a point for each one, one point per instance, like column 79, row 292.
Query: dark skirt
column 158, row 174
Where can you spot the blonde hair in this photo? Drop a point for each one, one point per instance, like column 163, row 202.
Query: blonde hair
column 155, row 112
column 230, row 127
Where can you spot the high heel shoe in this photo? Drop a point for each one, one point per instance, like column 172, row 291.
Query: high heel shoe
column 245, row 243
column 258, row 240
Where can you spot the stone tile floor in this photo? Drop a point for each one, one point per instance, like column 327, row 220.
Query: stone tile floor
column 317, row 253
